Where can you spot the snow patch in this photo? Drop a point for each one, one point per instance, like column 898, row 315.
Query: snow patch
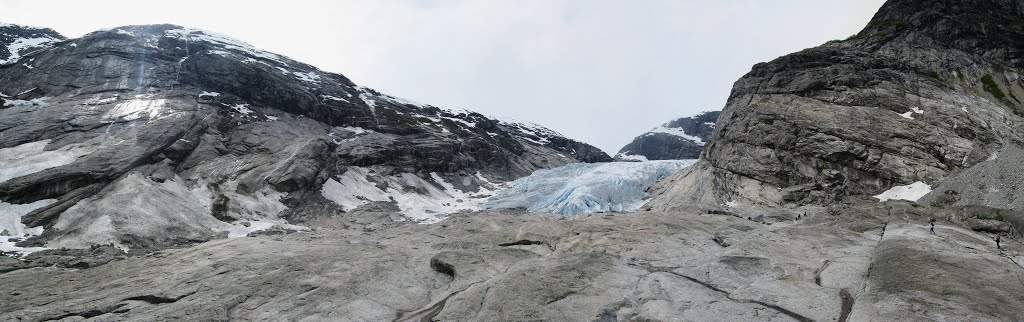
column 369, row 102
column 309, row 77
column 197, row 35
column 30, row 158
column 11, row 227
column 334, row 98
column 422, row 200
column 242, row 108
column 402, row 101
column 17, row 46
column 911, row 192
column 242, row 230
column 210, row 94
column 677, row 132
column 135, row 109
column 105, row 100
column 41, row 101
column 355, row 130
column 352, row 190
column 914, row 110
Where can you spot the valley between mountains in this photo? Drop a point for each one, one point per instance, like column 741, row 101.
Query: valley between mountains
column 158, row 172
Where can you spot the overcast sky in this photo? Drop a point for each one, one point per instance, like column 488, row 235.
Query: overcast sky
column 599, row 71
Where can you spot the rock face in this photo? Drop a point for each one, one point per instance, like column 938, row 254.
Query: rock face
column 928, row 88
column 681, row 139
column 856, row 263
column 17, row 41
column 160, row 135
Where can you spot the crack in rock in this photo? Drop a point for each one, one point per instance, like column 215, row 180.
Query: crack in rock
column 817, row 274
column 89, row 313
column 671, row 270
column 157, row 299
column 847, row 307
column 527, row 242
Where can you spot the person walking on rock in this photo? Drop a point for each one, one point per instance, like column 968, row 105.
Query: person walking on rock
column 931, row 227
column 999, row 238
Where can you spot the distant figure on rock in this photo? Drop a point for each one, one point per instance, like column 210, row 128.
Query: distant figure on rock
column 931, row 227
column 999, row 238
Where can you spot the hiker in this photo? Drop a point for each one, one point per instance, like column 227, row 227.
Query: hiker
column 931, row 227
column 999, row 238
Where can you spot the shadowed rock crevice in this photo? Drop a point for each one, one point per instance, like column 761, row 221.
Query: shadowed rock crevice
column 88, row 313
column 847, row 305
column 157, row 299
column 526, row 242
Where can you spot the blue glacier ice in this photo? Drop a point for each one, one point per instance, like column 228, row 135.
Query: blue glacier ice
column 586, row 187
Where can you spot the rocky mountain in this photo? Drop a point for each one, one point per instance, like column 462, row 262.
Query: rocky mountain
column 926, row 90
column 158, row 135
column 681, row 139
column 17, row 41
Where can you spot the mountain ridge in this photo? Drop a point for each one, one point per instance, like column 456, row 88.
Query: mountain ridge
column 679, row 139
column 238, row 138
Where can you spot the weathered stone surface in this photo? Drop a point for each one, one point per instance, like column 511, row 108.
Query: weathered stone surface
column 862, row 261
column 920, row 94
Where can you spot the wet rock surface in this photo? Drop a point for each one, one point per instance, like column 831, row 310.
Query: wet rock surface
column 865, row 261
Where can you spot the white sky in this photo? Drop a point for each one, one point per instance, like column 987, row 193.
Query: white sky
column 599, row 71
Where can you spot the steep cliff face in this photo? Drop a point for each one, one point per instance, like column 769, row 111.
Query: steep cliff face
column 158, row 135
column 681, row 139
column 926, row 89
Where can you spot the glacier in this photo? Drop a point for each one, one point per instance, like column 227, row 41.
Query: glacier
column 580, row 188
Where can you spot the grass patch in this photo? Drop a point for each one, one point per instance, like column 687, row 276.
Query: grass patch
column 893, row 23
column 990, row 86
column 998, row 215
column 1014, row 97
